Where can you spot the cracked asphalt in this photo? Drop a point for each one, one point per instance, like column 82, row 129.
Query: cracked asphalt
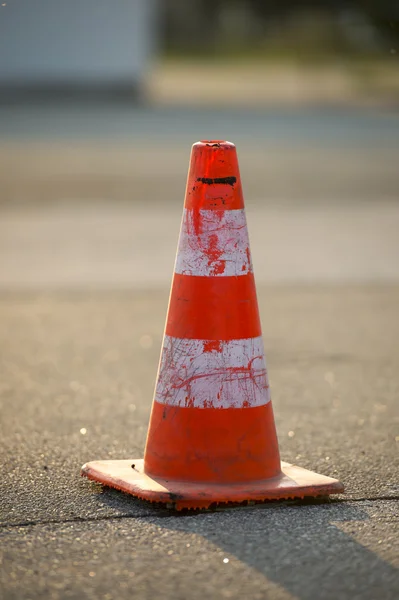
column 87, row 240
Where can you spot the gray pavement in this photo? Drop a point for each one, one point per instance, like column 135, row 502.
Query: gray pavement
column 282, row 552
column 77, row 380
column 87, row 240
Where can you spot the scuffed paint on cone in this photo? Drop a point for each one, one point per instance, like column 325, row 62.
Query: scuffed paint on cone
column 212, row 436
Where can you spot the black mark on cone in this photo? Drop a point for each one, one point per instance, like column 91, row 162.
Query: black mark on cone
column 209, row 181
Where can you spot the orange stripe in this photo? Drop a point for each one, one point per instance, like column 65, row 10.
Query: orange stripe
column 216, row 196
column 210, row 165
column 213, row 308
column 223, row 445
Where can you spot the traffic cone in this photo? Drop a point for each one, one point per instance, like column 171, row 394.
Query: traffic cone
column 212, row 436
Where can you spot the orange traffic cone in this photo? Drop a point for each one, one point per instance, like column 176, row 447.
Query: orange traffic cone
column 212, row 437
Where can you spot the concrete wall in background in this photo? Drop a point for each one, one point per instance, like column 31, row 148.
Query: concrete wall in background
column 75, row 42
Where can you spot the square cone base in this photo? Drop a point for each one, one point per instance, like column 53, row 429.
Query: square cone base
column 129, row 476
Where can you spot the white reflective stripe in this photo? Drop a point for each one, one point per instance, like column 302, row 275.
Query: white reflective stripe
column 209, row 374
column 214, row 243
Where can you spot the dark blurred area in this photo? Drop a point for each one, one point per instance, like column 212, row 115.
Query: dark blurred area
column 308, row 29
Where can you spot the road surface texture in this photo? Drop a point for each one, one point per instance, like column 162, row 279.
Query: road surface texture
column 90, row 205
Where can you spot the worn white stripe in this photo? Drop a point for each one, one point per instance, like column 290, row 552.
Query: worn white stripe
column 208, row 374
column 214, row 243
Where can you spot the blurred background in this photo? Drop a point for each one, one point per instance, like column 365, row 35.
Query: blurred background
column 101, row 101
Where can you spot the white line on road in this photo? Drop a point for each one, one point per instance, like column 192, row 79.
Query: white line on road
column 128, row 247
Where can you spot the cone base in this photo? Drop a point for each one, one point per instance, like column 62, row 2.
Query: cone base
column 128, row 476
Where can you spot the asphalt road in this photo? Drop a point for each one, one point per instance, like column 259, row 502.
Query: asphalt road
column 87, row 235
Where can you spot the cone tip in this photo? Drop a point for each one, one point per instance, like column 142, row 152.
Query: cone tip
column 214, row 144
